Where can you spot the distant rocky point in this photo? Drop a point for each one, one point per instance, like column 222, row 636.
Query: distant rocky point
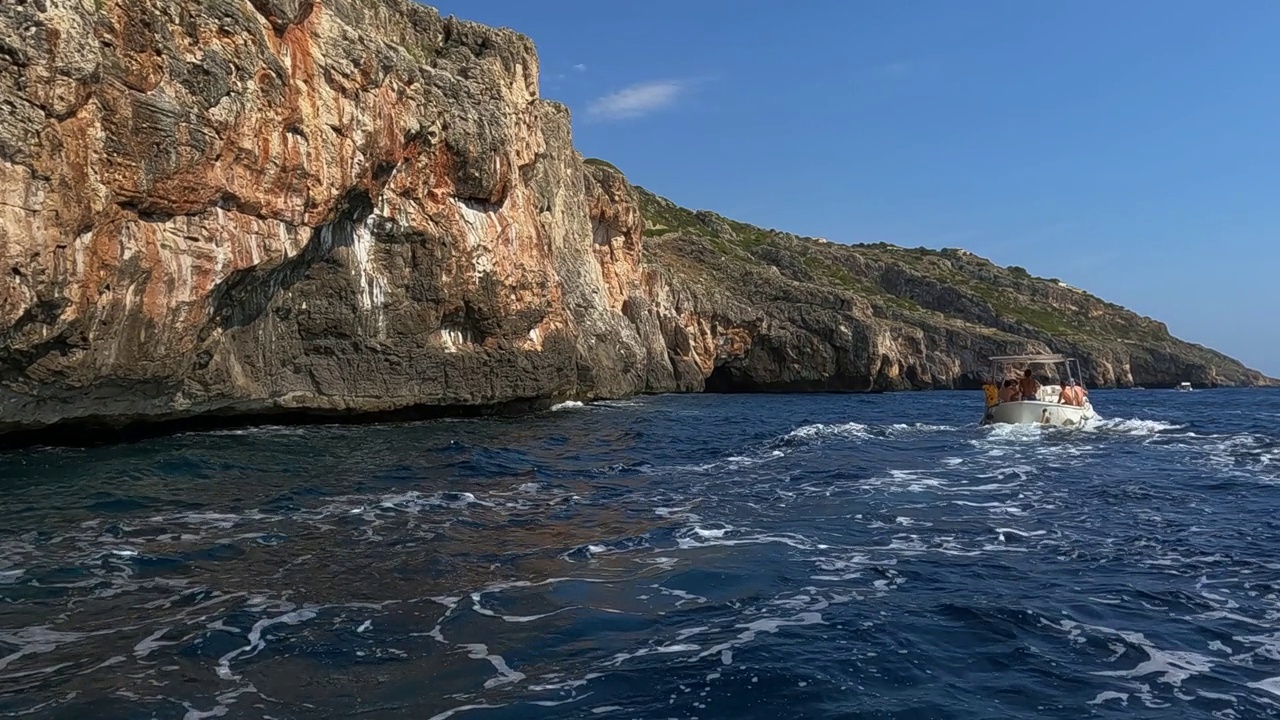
column 880, row 316
column 296, row 210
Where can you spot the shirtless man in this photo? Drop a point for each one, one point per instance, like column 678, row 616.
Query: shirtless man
column 1071, row 394
column 1009, row 393
column 1028, row 386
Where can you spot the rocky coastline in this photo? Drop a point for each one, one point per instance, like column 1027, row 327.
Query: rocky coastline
column 217, row 212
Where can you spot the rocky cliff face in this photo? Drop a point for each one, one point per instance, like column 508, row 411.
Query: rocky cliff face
column 213, row 206
column 231, row 208
column 807, row 314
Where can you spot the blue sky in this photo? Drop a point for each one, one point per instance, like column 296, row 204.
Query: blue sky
column 1130, row 148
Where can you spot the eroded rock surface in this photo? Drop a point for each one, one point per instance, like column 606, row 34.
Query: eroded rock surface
column 795, row 313
column 246, row 207
column 345, row 206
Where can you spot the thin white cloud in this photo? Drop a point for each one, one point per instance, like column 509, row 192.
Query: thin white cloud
column 637, row 100
column 580, row 67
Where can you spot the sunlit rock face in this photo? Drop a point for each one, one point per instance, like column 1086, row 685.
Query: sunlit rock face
column 347, row 206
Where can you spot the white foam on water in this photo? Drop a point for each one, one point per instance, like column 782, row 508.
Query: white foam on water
column 1217, row 696
column 1019, row 432
column 683, row 595
column 464, row 708
column 898, row 429
column 823, row 431
column 37, row 640
column 566, row 684
column 476, row 596
column 676, row 512
column 1021, row 472
column 480, row 651
column 414, row 501
column 734, row 462
column 690, row 632
column 841, row 569
column 766, row 625
column 256, row 643
column 1106, row 695
column 1133, row 426
column 566, row 405
column 620, row 658
column 1271, row 685
column 691, row 539
column 899, row 521
column 477, row 607
column 1245, row 455
column 152, row 642
column 630, row 402
column 1006, row 533
column 662, row 562
column 1172, row 666
column 553, row 703
column 224, row 702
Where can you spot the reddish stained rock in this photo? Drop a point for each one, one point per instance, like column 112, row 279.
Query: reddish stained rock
column 341, row 207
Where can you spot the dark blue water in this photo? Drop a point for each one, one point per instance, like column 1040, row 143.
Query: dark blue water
column 706, row 557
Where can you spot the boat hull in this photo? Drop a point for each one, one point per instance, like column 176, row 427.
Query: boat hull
column 1036, row 412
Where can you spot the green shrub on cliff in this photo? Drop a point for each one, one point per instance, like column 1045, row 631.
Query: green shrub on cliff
column 949, row 285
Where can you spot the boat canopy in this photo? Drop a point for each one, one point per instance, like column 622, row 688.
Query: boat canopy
column 1052, row 359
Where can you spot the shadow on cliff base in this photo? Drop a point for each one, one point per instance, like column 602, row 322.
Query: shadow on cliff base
column 726, row 379
column 97, row 432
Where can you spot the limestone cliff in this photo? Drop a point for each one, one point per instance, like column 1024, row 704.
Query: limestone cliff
column 798, row 313
column 214, row 208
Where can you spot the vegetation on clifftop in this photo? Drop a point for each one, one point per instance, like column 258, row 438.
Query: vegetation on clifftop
column 900, row 277
column 919, row 287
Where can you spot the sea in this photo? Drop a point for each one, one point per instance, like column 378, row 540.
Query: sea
column 700, row 556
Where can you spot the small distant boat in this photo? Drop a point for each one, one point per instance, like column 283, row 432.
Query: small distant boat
column 1184, row 387
column 1044, row 409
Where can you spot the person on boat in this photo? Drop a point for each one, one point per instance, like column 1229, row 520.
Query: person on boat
column 1028, row 386
column 1071, row 394
column 1009, row 393
column 992, row 393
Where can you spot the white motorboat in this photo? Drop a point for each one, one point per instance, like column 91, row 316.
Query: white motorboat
column 1184, row 387
column 1045, row 408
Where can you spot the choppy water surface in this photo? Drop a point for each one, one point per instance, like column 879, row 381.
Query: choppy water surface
column 670, row 557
